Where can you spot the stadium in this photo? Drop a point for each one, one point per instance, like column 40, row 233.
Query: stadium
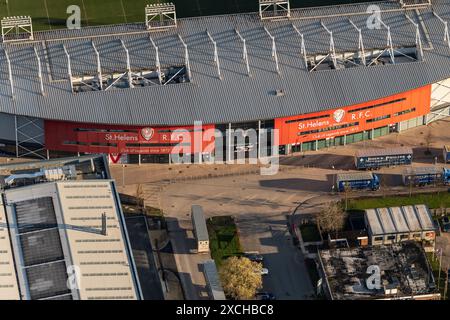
column 322, row 77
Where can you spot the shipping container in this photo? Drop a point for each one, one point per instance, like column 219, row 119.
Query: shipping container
column 377, row 158
column 446, row 154
column 357, row 180
column 421, row 176
column 200, row 229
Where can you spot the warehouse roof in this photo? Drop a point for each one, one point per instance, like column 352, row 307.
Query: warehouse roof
column 399, row 219
column 243, row 97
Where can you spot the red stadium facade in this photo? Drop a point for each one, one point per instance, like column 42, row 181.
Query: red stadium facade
column 303, row 132
column 348, row 120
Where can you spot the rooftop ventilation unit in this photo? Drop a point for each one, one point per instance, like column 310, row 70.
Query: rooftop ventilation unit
column 160, row 16
column 16, row 28
column 274, row 9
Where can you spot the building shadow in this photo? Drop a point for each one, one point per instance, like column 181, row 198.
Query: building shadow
column 298, row 184
column 428, row 155
column 177, row 231
column 320, row 160
column 144, row 258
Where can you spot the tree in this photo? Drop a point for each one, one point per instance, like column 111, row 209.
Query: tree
column 140, row 197
column 331, row 218
column 240, row 278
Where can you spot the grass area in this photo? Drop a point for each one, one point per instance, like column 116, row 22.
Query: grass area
column 432, row 200
column 223, row 238
column 310, row 233
column 51, row 14
column 435, row 267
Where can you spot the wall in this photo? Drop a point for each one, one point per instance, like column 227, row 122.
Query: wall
column 113, row 139
column 356, row 118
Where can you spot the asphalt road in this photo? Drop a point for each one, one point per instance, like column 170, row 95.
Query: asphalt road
column 144, row 259
column 188, row 262
column 288, row 277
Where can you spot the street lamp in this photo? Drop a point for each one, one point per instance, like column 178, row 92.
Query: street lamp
column 333, row 186
column 123, row 175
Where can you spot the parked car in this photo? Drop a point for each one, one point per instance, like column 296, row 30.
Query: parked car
column 264, row 271
column 265, row 296
column 446, row 224
column 255, row 257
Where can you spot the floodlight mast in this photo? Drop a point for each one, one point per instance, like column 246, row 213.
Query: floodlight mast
column 69, row 68
column 362, row 53
column 216, row 55
column 99, row 67
column 164, row 12
column 158, row 64
column 11, row 82
column 446, row 33
column 389, row 40
column 303, row 47
column 39, row 71
column 245, row 54
column 281, row 9
column 332, row 48
column 186, row 58
column 274, row 50
column 418, row 38
column 18, row 24
column 130, row 78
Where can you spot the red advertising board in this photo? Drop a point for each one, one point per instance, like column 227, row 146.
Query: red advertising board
column 93, row 138
column 356, row 118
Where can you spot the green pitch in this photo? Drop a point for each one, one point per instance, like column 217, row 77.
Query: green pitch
column 51, row 14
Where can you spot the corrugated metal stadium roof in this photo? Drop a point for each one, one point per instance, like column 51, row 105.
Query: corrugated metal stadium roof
column 237, row 97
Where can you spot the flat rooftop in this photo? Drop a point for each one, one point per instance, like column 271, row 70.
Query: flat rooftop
column 70, row 223
column 88, row 167
column 404, row 271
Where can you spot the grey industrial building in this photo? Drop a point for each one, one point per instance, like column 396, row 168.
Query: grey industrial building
column 396, row 224
column 63, row 233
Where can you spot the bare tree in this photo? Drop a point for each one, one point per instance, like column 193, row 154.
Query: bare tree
column 332, row 218
column 240, row 278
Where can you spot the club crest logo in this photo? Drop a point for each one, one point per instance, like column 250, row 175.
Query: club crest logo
column 338, row 115
column 147, row 133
